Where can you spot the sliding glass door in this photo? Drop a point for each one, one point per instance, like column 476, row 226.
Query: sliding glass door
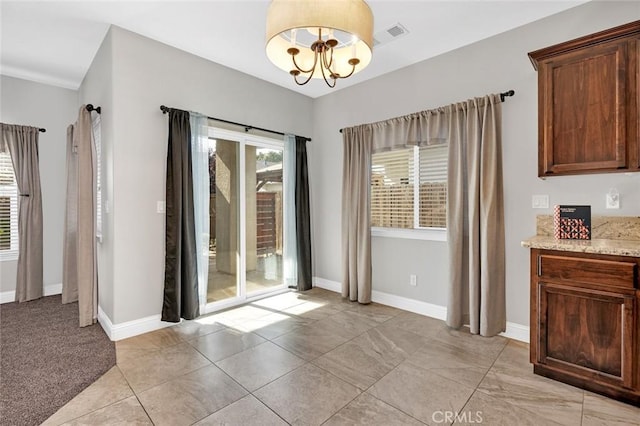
column 224, row 218
column 264, row 219
column 246, row 218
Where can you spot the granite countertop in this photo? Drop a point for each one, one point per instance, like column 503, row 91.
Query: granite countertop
column 596, row 246
column 616, row 235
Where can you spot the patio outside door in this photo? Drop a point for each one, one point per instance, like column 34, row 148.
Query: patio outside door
column 246, row 218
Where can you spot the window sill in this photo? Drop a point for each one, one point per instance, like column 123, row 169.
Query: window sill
column 427, row 234
column 9, row 257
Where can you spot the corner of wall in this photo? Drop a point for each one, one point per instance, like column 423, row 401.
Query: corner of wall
column 127, row 329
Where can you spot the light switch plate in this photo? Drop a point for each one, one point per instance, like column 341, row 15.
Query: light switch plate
column 160, row 207
column 540, row 201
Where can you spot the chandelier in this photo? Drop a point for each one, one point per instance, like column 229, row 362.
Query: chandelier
column 328, row 39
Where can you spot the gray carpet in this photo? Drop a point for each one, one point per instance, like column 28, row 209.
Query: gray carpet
column 46, row 359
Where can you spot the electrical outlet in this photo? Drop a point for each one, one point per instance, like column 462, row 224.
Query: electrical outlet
column 413, row 280
column 540, row 201
column 613, row 199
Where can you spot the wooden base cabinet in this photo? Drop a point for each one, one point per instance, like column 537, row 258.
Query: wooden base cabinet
column 585, row 321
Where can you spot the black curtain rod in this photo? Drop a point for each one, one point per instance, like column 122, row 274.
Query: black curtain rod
column 503, row 95
column 247, row 127
column 42, row 130
column 90, row 108
column 508, row 93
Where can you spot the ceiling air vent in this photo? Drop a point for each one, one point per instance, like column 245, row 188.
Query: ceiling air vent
column 389, row 34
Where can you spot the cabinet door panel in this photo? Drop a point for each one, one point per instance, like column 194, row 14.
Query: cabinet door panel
column 587, row 331
column 584, row 110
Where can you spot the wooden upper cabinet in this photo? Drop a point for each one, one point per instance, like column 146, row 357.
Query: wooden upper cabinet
column 588, row 98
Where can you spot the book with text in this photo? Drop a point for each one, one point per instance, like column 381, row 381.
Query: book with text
column 572, row 222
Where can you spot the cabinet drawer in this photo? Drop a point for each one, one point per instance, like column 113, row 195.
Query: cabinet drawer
column 600, row 272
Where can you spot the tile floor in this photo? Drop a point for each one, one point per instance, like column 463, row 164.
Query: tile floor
column 313, row 358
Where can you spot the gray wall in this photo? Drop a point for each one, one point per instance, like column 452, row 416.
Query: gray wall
column 97, row 89
column 144, row 75
column 492, row 65
column 34, row 104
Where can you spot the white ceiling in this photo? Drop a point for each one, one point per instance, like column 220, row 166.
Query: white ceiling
column 54, row 42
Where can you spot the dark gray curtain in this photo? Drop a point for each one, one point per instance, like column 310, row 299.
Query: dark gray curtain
column 303, row 219
column 22, row 144
column 180, row 270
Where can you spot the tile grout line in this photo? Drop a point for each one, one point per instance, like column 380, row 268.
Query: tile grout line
column 312, row 361
column 373, row 384
column 108, row 405
column 475, row 389
column 135, row 395
column 307, row 362
column 266, row 384
column 144, row 409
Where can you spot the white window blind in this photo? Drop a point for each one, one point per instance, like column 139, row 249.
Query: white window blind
column 409, row 188
column 95, row 125
column 8, row 208
column 392, row 189
column 433, row 186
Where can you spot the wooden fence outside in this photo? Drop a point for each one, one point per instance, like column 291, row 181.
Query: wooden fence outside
column 392, row 205
column 269, row 222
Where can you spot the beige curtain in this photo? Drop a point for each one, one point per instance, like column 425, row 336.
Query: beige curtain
column 70, row 247
column 475, row 212
column 418, row 129
column 80, row 275
column 356, row 219
column 475, row 217
column 22, row 144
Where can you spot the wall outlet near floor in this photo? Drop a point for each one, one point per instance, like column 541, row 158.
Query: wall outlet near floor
column 413, row 280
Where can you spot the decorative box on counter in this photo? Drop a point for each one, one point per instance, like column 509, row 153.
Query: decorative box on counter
column 572, row 222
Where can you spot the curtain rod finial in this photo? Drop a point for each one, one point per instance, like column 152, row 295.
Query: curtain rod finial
column 90, row 108
column 507, row 93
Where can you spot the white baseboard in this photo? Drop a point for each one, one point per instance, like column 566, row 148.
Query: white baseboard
column 514, row 331
column 517, row 332
column 327, row 284
column 130, row 328
column 49, row 290
column 411, row 305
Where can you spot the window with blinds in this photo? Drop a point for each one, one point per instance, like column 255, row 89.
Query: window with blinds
column 8, row 208
column 97, row 137
column 409, row 188
column 433, row 186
